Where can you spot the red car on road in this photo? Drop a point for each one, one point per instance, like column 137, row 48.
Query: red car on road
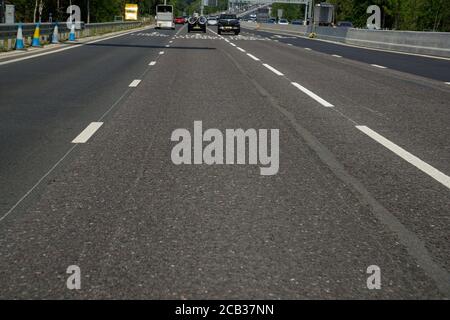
column 179, row 20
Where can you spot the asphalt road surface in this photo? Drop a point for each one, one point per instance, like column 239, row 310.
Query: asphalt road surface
column 364, row 140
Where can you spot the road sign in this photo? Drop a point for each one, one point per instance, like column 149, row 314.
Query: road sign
column 280, row 13
column 9, row 13
column 131, row 11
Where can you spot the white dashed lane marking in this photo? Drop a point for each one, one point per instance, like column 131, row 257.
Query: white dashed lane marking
column 253, row 57
column 312, row 95
column 273, row 69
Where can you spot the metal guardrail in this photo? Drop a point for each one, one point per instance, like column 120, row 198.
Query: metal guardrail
column 428, row 43
column 8, row 32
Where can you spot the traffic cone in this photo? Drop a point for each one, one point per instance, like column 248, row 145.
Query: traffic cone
column 55, row 35
column 72, row 36
column 37, row 36
column 19, row 40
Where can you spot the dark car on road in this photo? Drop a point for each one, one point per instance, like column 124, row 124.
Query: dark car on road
column 345, row 24
column 228, row 23
column 197, row 23
column 297, row 22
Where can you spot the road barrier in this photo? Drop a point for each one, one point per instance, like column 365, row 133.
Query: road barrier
column 428, row 43
column 37, row 36
column 19, row 39
column 9, row 32
column 72, row 35
column 55, row 35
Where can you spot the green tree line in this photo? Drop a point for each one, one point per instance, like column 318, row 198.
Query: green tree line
column 99, row 10
column 396, row 14
column 417, row 15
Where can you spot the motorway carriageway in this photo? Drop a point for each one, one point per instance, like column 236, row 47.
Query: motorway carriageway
column 87, row 177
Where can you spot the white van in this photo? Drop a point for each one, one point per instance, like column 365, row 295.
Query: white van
column 164, row 16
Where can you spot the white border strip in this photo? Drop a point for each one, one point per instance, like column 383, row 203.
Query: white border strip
column 135, row 83
column 378, row 66
column 87, row 133
column 68, row 47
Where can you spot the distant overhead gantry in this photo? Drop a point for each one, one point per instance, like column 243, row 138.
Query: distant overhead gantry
column 249, row 6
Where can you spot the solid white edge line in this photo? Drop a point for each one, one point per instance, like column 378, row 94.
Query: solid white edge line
column 69, row 47
column 161, row 52
column 378, row 66
column 365, row 48
column 253, row 57
column 240, row 49
column 273, row 69
column 152, row 63
column 312, row 95
column 309, row 49
column 232, row 44
column 134, row 83
column 87, row 133
column 402, row 153
column 336, row 56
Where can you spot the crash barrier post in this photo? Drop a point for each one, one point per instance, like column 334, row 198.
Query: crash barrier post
column 19, row 39
column 37, row 36
column 55, row 35
column 72, row 36
column 9, row 32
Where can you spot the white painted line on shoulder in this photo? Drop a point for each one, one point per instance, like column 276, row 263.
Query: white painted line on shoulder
column 232, row 44
column 405, row 155
column 152, row 63
column 87, row 133
column 135, row 83
column 64, row 48
column 378, row 66
column 273, row 69
column 309, row 49
column 240, row 49
column 312, row 95
column 226, row 40
column 290, row 44
column 253, row 57
column 161, row 52
column 336, row 56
